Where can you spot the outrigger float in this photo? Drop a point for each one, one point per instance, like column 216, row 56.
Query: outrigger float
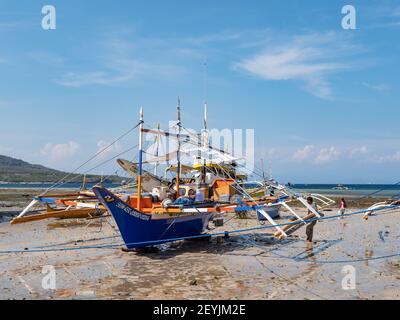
column 63, row 206
column 381, row 206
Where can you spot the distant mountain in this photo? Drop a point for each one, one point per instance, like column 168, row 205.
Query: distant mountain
column 15, row 170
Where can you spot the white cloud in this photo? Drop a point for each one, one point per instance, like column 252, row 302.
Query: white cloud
column 390, row 158
column 317, row 155
column 321, row 155
column 309, row 59
column 381, row 16
column 303, row 154
column 376, row 87
column 47, row 58
column 119, row 60
column 115, row 72
column 286, row 63
column 358, row 151
column 266, row 155
column 217, row 37
column 61, row 151
column 79, row 79
column 327, row 155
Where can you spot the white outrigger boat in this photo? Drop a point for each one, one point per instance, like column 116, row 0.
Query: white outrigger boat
column 213, row 177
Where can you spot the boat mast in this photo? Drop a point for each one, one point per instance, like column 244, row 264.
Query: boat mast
column 205, row 115
column 205, row 95
column 204, row 169
column 265, row 182
column 158, row 138
column 206, row 142
column 140, row 158
column 178, row 157
column 83, row 187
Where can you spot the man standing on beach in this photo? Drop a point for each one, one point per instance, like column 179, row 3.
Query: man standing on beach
column 311, row 225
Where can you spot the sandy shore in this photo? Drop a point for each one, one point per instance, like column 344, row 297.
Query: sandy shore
column 249, row 266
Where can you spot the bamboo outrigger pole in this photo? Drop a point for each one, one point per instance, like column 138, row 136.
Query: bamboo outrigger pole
column 205, row 115
column 158, row 141
column 140, row 158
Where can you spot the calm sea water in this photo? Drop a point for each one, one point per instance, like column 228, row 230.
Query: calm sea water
column 381, row 190
column 48, row 185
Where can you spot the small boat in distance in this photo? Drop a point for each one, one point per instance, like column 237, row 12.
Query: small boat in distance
column 340, row 187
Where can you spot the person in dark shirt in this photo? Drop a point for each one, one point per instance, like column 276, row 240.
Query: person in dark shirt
column 311, row 225
column 186, row 200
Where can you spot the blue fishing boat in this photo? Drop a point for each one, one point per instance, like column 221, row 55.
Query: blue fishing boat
column 139, row 229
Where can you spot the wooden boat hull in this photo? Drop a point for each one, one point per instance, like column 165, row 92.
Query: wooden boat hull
column 61, row 214
column 140, row 230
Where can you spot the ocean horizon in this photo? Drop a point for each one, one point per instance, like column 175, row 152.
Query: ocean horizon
column 377, row 190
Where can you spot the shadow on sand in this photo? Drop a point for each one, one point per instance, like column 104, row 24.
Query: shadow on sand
column 236, row 244
column 240, row 245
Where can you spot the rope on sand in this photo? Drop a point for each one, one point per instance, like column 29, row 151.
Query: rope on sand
column 357, row 260
column 209, row 235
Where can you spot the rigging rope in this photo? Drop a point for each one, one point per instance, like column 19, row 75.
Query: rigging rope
column 261, row 176
column 60, row 182
column 289, row 280
column 223, row 152
column 108, row 160
column 357, row 260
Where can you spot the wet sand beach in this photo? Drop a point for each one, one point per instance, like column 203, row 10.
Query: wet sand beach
column 247, row 266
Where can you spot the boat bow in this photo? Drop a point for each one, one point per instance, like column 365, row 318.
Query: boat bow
column 140, row 230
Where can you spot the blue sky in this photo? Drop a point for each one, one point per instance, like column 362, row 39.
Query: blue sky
column 323, row 100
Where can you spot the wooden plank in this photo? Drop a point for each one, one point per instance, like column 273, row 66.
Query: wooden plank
column 59, row 195
column 64, row 214
column 290, row 229
column 272, row 221
column 80, row 198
